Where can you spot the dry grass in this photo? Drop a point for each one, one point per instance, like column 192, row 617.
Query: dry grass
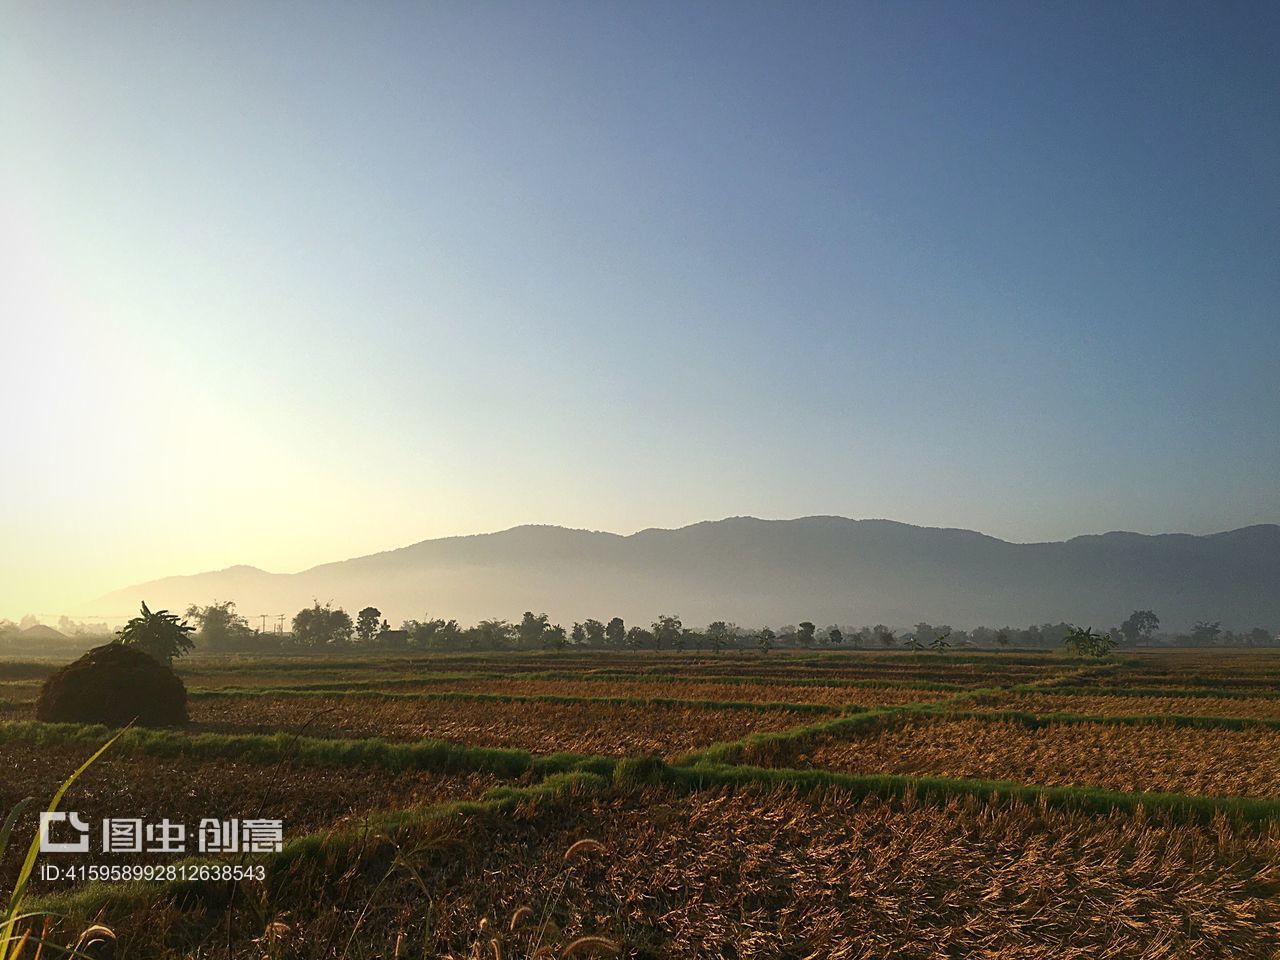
column 537, row 726
column 1228, row 660
column 185, row 790
column 1259, row 708
column 925, row 667
column 19, row 690
column 748, row 874
column 693, row 689
column 1135, row 758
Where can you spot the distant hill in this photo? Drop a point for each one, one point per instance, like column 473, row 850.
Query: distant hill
column 42, row 641
column 39, row 631
column 754, row 572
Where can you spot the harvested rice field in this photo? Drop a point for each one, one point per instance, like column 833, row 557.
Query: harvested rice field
column 608, row 729
column 185, row 790
column 775, row 815
column 1130, row 758
column 1103, row 704
column 752, row 691
column 773, row 874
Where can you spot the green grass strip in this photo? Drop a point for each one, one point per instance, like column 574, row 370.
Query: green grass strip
column 776, row 743
column 433, row 755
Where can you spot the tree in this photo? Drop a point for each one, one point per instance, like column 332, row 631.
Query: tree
column 886, row 636
column 1002, row 637
column 666, row 629
column 1085, row 643
column 764, row 640
column 220, row 627
column 491, row 634
column 1140, row 626
column 594, row 630
column 368, row 626
column 161, row 634
column 835, row 636
column 638, row 637
column 555, row 638
column 1258, row 636
column 616, row 632
column 423, row 633
column 913, row 643
column 448, row 636
column 531, row 629
column 1206, row 633
column 319, row 627
column 806, row 634
column 718, row 634
column 939, row 642
column 578, row 635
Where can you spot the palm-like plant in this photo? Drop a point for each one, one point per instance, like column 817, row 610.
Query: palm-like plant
column 1084, row 642
column 764, row 640
column 162, row 634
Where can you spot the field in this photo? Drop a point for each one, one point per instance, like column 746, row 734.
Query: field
column 187, row 789
column 1130, row 758
column 540, row 726
column 850, row 805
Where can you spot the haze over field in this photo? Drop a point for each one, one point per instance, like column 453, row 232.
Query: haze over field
column 755, row 572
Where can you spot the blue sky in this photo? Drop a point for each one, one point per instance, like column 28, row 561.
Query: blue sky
column 293, row 282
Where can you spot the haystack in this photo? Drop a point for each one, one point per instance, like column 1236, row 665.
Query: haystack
column 114, row 684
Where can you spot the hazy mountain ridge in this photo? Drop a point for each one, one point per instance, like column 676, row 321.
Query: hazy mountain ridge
column 825, row 569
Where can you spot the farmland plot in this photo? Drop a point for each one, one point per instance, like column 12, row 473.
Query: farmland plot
column 1130, row 758
column 185, row 789
column 538, row 726
column 1103, row 703
column 697, row 689
column 773, row 874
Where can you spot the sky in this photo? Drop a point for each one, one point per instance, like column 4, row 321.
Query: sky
column 292, row 282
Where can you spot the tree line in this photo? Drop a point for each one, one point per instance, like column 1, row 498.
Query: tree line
column 324, row 627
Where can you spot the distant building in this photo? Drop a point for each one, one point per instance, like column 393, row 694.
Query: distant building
column 394, row 638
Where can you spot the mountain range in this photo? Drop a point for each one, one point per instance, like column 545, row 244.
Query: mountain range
column 756, row 572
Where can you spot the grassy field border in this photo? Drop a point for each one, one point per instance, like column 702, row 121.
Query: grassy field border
column 756, row 746
column 435, row 756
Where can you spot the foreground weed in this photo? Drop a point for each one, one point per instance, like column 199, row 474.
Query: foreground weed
column 13, row 944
